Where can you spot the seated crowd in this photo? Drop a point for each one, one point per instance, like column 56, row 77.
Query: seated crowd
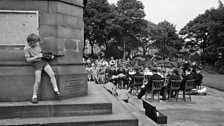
column 122, row 75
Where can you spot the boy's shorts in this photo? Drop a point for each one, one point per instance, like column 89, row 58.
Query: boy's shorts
column 39, row 65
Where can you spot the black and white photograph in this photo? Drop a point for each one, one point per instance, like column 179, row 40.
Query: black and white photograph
column 111, row 62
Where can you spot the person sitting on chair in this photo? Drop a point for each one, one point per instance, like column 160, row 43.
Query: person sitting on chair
column 187, row 76
column 112, row 73
column 122, row 79
column 174, row 76
column 138, row 73
column 148, row 86
column 197, row 76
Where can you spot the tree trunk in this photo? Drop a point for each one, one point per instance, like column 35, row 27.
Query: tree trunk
column 143, row 51
column 124, row 50
column 91, row 48
column 129, row 53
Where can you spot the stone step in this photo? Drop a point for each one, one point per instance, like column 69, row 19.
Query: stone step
column 95, row 103
column 96, row 120
column 118, row 116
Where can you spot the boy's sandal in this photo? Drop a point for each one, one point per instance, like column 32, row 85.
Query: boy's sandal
column 58, row 95
column 34, row 100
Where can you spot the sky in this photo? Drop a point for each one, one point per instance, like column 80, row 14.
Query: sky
column 177, row 12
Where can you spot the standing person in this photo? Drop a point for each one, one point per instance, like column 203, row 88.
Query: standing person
column 33, row 54
column 95, row 73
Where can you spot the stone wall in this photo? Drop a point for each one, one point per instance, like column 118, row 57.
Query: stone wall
column 61, row 31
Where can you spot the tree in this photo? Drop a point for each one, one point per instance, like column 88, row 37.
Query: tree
column 145, row 35
column 166, row 39
column 206, row 30
column 195, row 33
column 96, row 25
column 220, row 4
column 127, row 23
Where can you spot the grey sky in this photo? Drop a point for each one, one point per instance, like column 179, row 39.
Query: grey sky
column 177, row 12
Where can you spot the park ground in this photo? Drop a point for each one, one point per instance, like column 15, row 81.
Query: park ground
column 202, row 110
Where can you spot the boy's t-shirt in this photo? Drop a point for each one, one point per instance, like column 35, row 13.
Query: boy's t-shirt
column 31, row 52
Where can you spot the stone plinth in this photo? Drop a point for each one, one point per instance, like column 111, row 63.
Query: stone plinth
column 61, row 30
column 98, row 108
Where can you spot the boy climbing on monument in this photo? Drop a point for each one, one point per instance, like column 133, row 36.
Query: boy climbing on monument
column 33, row 54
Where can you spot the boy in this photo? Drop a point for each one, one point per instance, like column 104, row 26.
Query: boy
column 33, row 54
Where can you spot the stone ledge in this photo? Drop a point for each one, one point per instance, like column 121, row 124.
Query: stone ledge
column 120, row 116
column 98, row 120
column 94, row 103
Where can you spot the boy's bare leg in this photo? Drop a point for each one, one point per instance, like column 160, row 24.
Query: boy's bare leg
column 36, row 83
column 50, row 72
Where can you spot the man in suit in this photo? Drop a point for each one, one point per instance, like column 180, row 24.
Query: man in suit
column 148, row 86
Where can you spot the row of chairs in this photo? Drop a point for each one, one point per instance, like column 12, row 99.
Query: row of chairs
column 158, row 84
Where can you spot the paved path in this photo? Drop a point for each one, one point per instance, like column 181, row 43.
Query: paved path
column 201, row 111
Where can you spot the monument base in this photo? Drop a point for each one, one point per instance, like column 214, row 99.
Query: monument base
column 98, row 108
column 17, row 83
column 59, row 23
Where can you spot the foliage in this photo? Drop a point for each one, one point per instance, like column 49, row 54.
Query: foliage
column 206, row 30
column 128, row 23
column 209, row 57
column 96, row 25
column 114, row 51
column 122, row 28
column 167, row 40
column 145, row 36
column 115, row 25
column 195, row 57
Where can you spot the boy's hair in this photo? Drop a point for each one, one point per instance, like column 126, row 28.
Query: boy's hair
column 33, row 38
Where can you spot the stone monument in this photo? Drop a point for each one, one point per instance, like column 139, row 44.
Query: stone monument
column 60, row 26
